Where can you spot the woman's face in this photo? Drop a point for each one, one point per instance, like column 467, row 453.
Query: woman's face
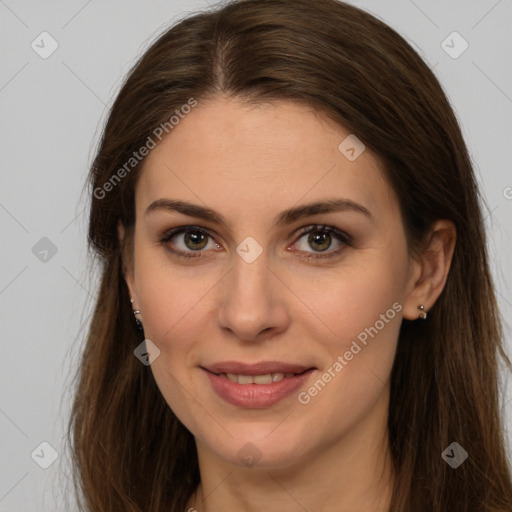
column 315, row 314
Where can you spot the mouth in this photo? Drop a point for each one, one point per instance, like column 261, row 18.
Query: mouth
column 256, row 385
column 264, row 378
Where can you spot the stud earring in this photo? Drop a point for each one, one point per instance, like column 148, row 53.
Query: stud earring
column 423, row 313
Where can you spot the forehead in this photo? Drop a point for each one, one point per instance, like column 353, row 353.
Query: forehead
column 258, row 159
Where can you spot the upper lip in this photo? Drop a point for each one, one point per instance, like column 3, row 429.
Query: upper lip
column 260, row 368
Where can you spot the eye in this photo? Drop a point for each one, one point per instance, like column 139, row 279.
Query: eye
column 320, row 238
column 189, row 240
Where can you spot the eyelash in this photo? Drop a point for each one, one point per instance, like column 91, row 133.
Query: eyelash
column 342, row 237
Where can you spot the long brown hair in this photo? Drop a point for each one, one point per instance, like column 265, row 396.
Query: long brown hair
column 129, row 450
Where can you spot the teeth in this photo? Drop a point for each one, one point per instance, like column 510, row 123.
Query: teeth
column 262, row 379
column 245, row 379
column 268, row 378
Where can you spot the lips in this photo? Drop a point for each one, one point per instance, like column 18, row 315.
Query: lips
column 256, row 385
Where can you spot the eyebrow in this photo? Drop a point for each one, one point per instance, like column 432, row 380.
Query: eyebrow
column 286, row 217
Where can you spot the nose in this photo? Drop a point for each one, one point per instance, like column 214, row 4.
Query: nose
column 253, row 301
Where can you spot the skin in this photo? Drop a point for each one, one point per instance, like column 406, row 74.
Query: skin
column 249, row 163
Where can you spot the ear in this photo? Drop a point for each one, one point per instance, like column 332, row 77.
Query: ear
column 127, row 262
column 430, row 269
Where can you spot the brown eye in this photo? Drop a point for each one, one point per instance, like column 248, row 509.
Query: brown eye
column 319, row 241
column 195, row 240
column 188, row 242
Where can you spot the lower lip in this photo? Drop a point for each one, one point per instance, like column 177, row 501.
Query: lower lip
column 256, row 395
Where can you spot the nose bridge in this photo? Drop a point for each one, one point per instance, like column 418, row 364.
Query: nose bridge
column 250, row 279
column 250, row 302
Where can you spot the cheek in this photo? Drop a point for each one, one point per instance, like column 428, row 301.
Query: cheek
column 360, row 309
column 175, row 317
column 366, row 318
column 358, row 297
column 173, row 301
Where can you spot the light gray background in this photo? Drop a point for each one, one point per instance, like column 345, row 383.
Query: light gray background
column 51, row 113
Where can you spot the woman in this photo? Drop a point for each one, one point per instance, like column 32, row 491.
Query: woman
column 296, row 310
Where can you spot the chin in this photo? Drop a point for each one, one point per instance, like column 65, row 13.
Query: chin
column 261, row 445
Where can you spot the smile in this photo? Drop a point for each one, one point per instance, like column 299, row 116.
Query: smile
column 251, row 388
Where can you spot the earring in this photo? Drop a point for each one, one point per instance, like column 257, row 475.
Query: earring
column 135, row 313
column 423, row 313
